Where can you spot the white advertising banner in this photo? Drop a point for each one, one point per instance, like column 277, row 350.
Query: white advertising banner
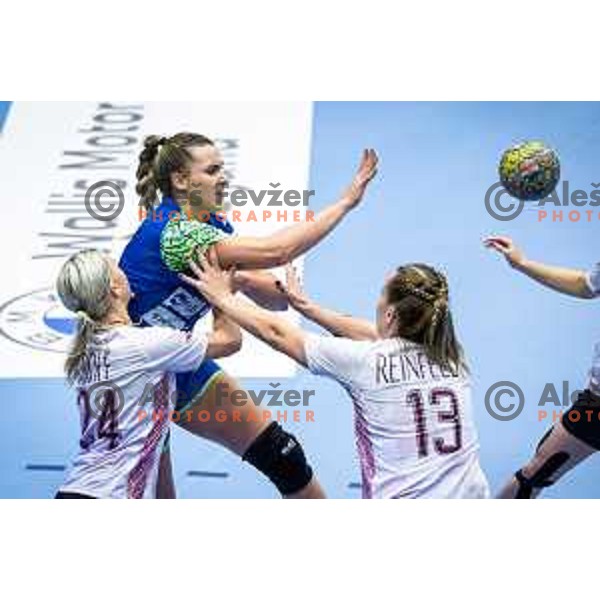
column 52, row 152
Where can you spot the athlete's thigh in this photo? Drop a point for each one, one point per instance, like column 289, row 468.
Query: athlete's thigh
column 214, row 415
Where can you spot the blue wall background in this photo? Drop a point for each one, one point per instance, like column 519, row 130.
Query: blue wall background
column 437, row 161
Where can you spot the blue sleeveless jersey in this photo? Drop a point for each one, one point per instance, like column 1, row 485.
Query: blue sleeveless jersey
column 161, row 298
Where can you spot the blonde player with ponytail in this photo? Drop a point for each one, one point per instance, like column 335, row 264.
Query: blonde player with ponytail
column 124, row 376
column 406, row 375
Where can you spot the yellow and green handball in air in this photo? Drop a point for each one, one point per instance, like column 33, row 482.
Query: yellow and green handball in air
column 529, row 170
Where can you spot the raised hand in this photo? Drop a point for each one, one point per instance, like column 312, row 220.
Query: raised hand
column 209, row 279
column 364, row 175
column 506, row 247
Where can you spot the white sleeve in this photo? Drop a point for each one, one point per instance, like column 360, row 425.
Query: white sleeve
column 172, row 350
column 339, row 358
column 593, row 279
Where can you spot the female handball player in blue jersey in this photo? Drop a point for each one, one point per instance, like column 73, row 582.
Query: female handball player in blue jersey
column 405, row 373
column 180, row 168
column 577, row 434
column 125, row 382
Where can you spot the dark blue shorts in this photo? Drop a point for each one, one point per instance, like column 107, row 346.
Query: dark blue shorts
column 189, row 385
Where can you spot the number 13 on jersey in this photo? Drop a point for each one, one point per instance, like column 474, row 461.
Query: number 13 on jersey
column 442, row 409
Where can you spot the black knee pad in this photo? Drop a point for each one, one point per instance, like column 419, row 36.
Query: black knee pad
column 540, row 479
column 280, row 457
column 582, row 420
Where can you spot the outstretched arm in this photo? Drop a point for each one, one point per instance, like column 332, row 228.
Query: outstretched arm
column 289, row 243
column 568, row 281
column 263, row 288
column 215, row 285
column 338, row 324
column 225, row 338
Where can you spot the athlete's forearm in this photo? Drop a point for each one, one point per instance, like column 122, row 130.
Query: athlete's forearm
column 270, row 328
column 338, row 324
column 567, row 281
column 262, row 288
column 285, row 245
column 297, row 239
column 225, row 338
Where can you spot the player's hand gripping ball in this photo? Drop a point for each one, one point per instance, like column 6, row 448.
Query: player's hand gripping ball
column 529, row 171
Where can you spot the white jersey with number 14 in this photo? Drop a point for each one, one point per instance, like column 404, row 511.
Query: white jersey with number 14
column 125, row 402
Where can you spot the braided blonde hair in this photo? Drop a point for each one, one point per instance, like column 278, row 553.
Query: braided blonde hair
column 418, row 295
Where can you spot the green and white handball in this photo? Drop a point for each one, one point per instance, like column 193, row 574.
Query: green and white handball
column 180, row 239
